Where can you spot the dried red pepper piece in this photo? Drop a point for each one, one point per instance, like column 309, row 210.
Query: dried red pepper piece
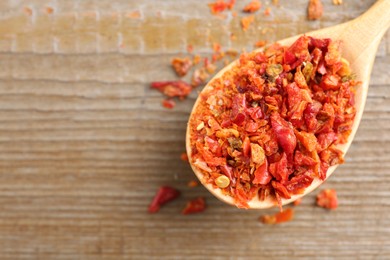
column 181, row 66
column 193, row 184
column 178, row 88
column 327, row 199
column 184, row 157
column 220, row 5
column 168, row 103
column 164, row 195
column 252, row 7
column 297, row 202
column 280, row 217
column 314, row 10
column 247, row 21
column 270, row 125
column 194, row 206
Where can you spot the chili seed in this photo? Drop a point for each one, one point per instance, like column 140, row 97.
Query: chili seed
column 200, row 126
column 222, row 181
column 274, row 70
column 307, row 71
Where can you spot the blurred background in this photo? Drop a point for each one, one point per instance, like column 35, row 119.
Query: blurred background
column 85, row 143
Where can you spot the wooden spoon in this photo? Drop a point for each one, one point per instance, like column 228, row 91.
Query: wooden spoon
column 360, row 38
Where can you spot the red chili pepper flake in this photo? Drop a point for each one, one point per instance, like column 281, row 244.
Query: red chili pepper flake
column 246, row 22
column 184, row 157
column 164, row 195
column 272, row 124
column 297, row 202
column 193, row 184
column 252, row 7
column 196, row 59
column 178, row 88
column 220, row 5
column 315, row 10
column 168, row 103
column 194, row 206
column 199, row 77
column 260, row 44
column 280, row 217
column 49, row 10
column 267, row 11
column 190, row 48
column 181, row 66
column 327, row 199
column 28, row 11
column 134, row 15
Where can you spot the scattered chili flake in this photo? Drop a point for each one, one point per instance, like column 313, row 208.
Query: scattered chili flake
column 192, row 184
column 220, row 5
column 260, row 44
column 168, row 103
column 199, row 77
column 164, row 195
column 337, row 2
column 314, row 10
column 181, row 66
column 280, row 217
column 196, row 59
column 28, row 11
column 267, row 11
column 184, row 157
column 297, row 202
column 246, row 22
column 49, row 10
column 216, row 47
column 134, row 14
column 178, row 88
column 194, row 206
column 190, row 48
column 211, row 68
column 252, row 7
column 272, row 124
column 327, row 199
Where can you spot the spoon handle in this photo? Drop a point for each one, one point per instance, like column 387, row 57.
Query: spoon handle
column 373, row 24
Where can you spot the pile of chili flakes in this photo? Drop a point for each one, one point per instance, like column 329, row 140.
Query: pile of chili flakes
column 271, row 125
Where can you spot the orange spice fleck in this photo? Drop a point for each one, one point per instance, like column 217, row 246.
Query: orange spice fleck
column 267, row 11
column 192, row 184
column 27, row 10
column 49, row 10
column 190, row 48
column 279, row 217
column 252, row 6
column 297, row 202
column 184, row 157
column 134, row 15
column 196, row 59
column 315, row 10
column 168, row 103
column 246, row 22
column 260, row 43
column 216, row 47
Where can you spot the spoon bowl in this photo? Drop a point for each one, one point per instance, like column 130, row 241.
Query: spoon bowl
column 360, row 39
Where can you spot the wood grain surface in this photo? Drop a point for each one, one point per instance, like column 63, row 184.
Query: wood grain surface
column 84, row 142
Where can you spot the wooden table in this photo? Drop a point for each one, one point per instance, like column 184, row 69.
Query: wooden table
column 84, row 142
